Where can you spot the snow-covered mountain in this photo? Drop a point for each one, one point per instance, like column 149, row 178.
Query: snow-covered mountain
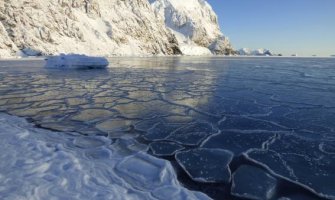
column 195, row 25
column 95, row 27
column 257, row 52
column 109, row 27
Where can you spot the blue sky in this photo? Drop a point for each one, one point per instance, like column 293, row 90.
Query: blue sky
column 305, row 27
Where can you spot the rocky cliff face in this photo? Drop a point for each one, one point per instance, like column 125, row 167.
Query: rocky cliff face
column 95, row 27
column 7, row 47
column 103, row 27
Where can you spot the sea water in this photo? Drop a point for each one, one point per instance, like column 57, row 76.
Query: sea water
column 254, row 128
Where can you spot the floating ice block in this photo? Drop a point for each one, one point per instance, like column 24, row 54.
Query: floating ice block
column 75, row 61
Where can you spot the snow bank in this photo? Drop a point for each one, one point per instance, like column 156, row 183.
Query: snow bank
column 75, row 61
column 40, row 164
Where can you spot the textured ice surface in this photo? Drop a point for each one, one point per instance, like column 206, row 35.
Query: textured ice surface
column 247, row 123
column 165, row 148
column 145, row 174
column 159, row 130
column 238, row 142
column 253, row 183
column 206, row 165
column 75, row 61
column 40, row 164
column 300, row 160
column 191, row 134
column 92, row 114
column 275, row 113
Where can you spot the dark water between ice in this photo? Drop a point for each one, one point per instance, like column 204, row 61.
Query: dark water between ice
column 234, row 128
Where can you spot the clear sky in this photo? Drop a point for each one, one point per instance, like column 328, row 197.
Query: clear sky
column 305, row 27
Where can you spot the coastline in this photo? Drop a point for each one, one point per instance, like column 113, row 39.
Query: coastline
column 167, row 56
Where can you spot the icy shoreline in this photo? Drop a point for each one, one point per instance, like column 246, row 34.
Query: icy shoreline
column 169, row 56
column 41, row 164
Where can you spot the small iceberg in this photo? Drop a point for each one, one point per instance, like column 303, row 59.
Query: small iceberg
column 76, row 61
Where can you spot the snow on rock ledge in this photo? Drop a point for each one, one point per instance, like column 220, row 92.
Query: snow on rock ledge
column 41, row 164
column 76, row 61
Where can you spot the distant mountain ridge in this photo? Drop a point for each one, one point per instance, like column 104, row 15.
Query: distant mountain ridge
column 109, row 27
column 257, row 52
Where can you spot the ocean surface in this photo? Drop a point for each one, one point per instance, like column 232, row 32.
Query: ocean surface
column 169, row 128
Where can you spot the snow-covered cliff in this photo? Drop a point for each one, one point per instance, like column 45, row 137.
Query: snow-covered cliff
column 108, row 27
column 195, row 25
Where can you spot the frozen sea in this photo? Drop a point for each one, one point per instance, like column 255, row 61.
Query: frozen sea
column 169, row 128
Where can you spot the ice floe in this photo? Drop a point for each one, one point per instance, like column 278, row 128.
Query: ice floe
column 253, row 183
column 206, row 165
column 76, row 61
column 299, row 160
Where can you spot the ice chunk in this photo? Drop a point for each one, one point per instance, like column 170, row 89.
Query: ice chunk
column 206, row 165
column 145, row 173
column 76, row 61
column 253, row 183
column 165, row 148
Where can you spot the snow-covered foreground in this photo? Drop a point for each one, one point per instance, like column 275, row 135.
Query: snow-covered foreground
column 41, row 164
